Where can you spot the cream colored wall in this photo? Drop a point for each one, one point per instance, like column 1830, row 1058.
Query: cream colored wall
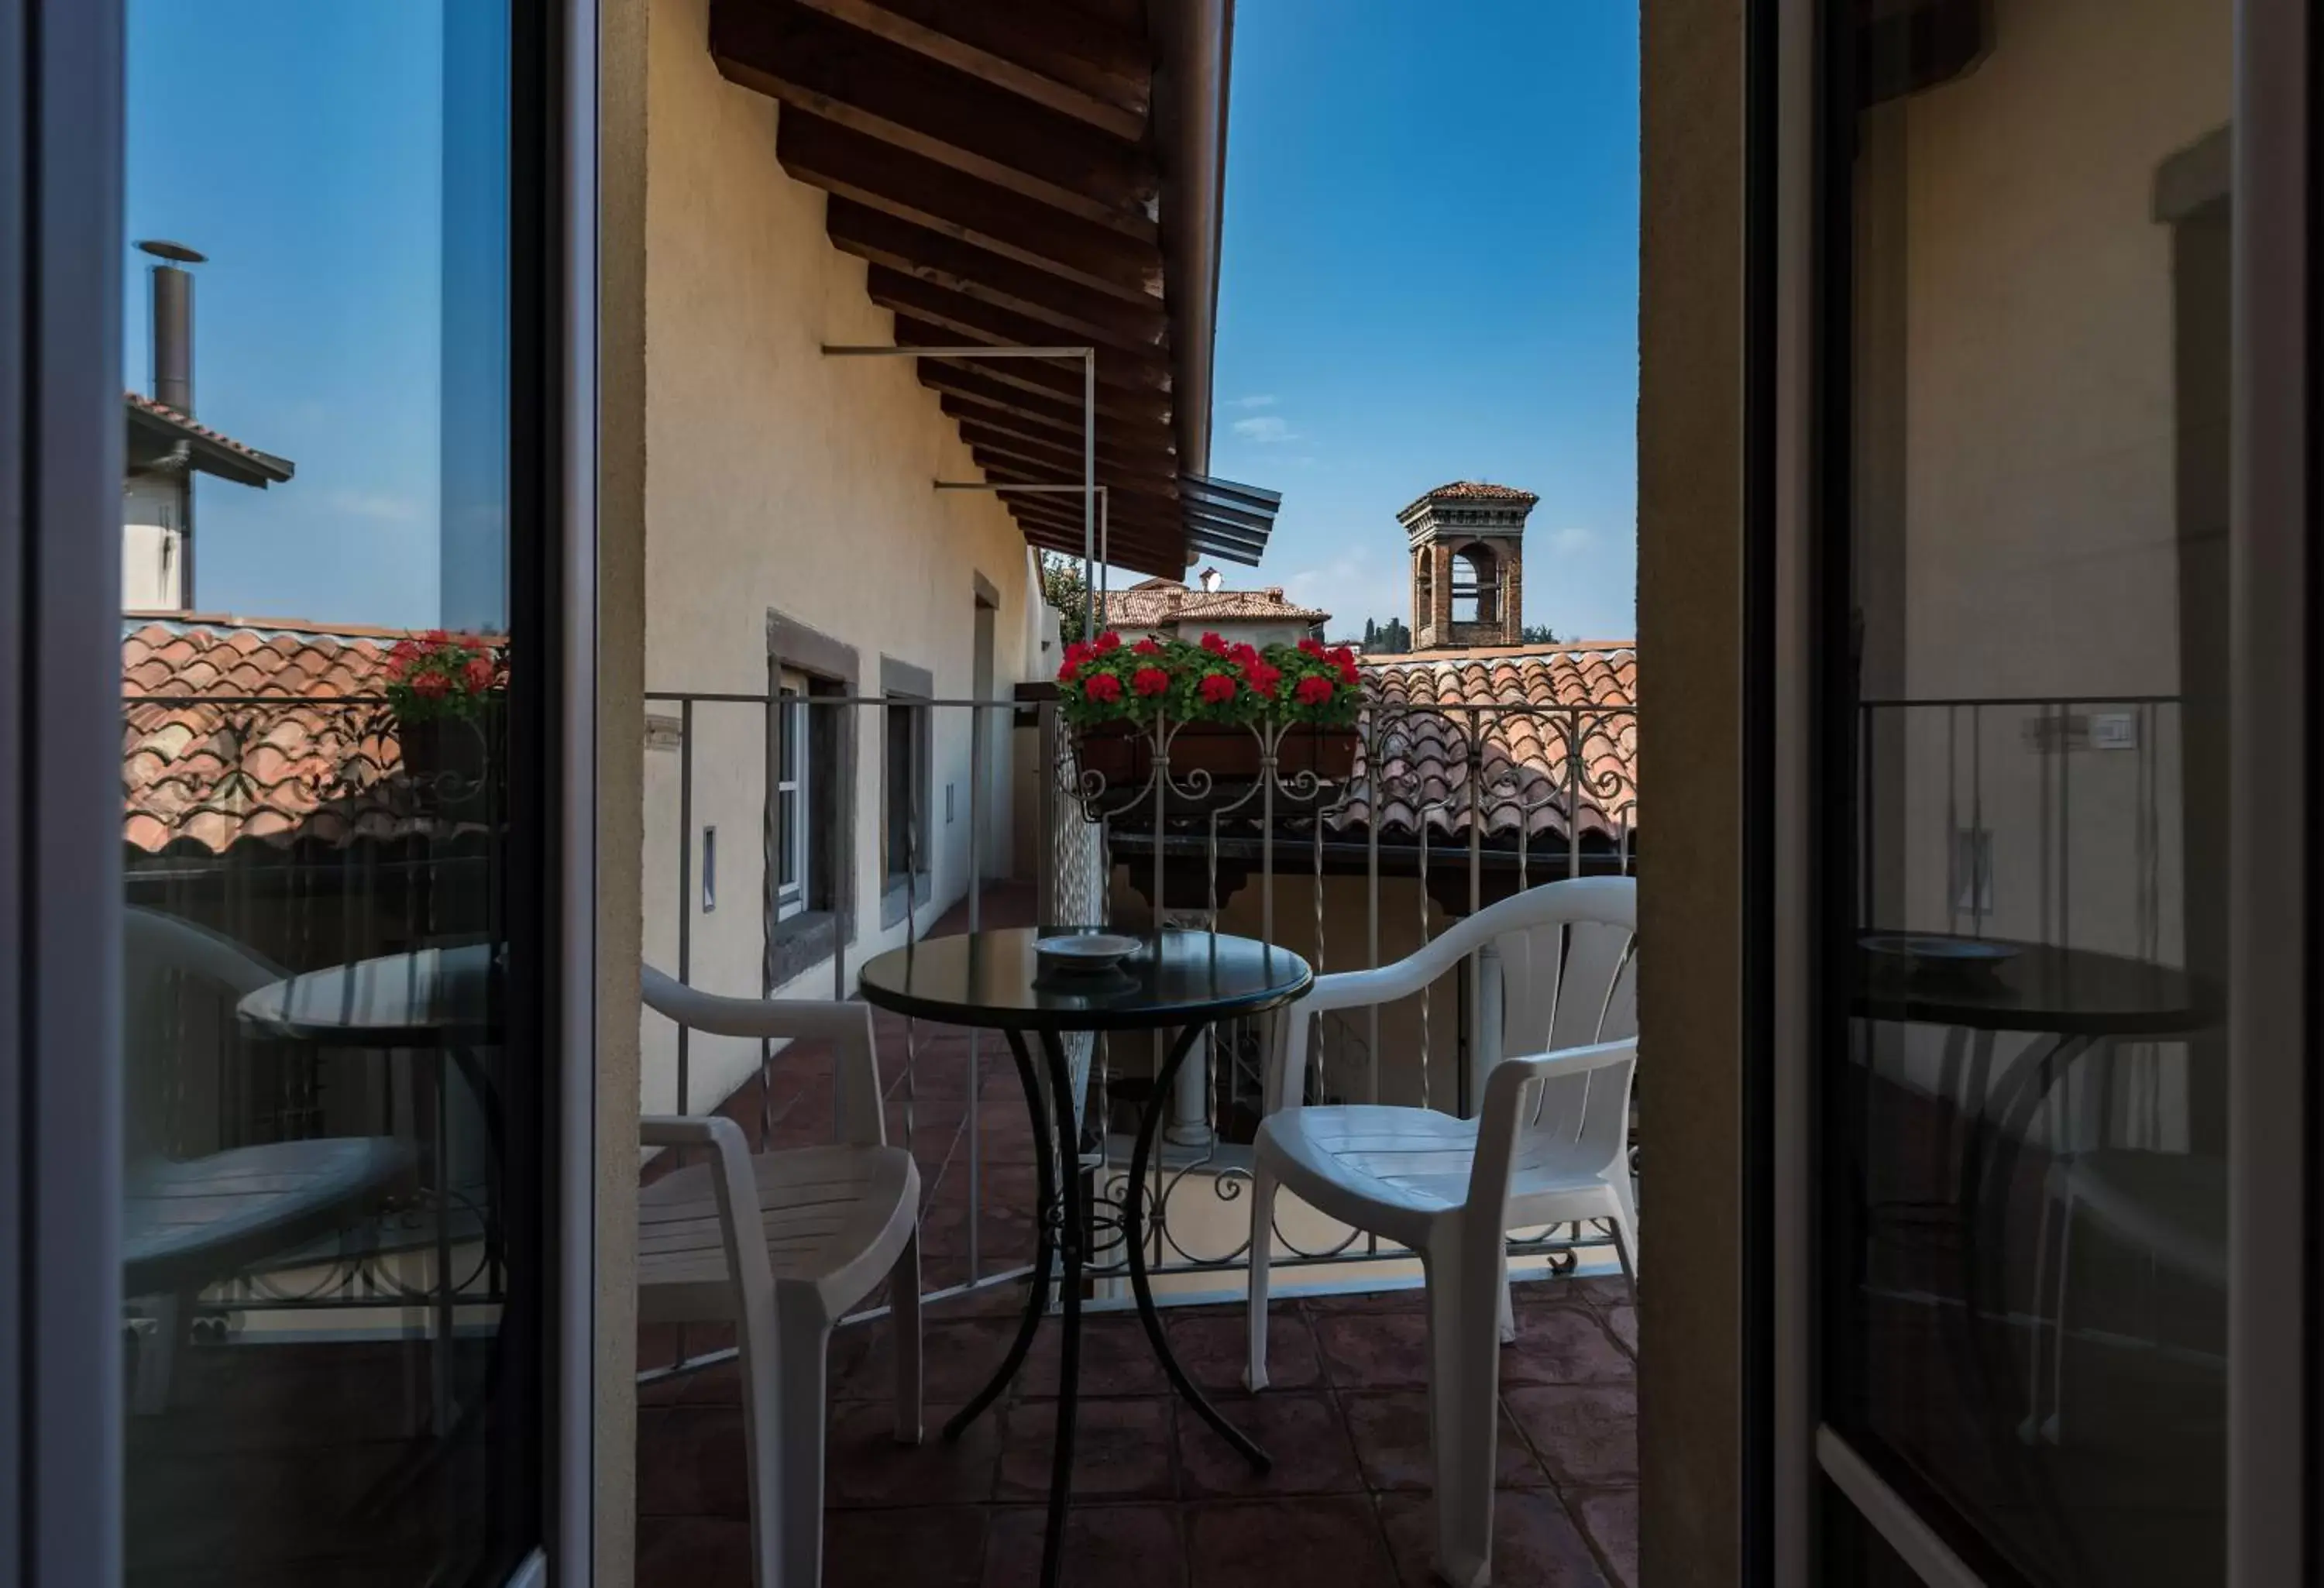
column 2033, row 327
column 152, row 545
column 621, row 677
column 779, row 478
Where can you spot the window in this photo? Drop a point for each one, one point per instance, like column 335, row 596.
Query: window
column 905, row 756
column 906, row 786
column 794, row 795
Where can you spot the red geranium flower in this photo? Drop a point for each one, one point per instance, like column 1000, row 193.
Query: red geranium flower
column 1261, row 678
column 1241, row 654
column 477, row 674
column 1348, row 674
column 433, row 686
column 1109, row 641
column 1214, row 645
column 1070, row 671
column 1314, row 690
column 1078, row 652
column 1312, row 645
column 1217, row 688
column 1340, row 654
column 1146, row 647
column 1149, row 680
column 436, row 636
column 1104, row 687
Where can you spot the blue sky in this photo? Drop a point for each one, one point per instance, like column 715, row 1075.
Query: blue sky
column 318, row 317
column 1431, row 274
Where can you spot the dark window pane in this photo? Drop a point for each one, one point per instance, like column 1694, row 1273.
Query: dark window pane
column 331, row 1250
column 2024, row 1087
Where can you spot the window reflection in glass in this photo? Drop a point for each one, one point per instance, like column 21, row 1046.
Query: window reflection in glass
column 2026, row 1221
column 326, row 1277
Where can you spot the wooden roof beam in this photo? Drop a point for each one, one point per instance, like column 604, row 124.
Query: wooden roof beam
column 944, row 260
column 1052, row 413
column 954, row 118
column 824, row 154
column 1053, row 55
column 970, row 319
column 1115, row 404
column 1062, row 463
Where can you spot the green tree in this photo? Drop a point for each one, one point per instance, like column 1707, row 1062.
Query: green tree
column 1538, row 634
column 1063, row 587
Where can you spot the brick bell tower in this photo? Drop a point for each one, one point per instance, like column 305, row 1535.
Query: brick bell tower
column 1467, row 541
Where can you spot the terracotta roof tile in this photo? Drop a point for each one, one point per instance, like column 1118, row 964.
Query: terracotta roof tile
column 1526, row 709
column 1161, row 603
column 298, row 745
column 1473, row 491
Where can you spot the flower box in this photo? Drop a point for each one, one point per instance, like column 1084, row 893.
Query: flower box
column 1226, row 754
column 455, row 766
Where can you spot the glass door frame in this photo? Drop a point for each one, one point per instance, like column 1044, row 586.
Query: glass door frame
column 61, row 198
column 2276, row 887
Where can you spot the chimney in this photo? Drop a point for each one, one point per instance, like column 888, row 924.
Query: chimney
column 1210, row 577
column 173, row 324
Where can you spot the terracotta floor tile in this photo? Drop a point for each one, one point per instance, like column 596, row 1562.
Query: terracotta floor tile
column 1622, row 1321
column 1328, row 1541
column 939, row 1546
column 1563, row 1346
column 1302, row 1433
column 1116, row 1358
column 865, row 1467
column 1213, row 1345
column 1535, row 1542
column 691, row 1462
column 957, row 1357
column 696, row 1552
column 1584, row 1434
column 1611, row 1518
column 1374, row 1350
column 1106, row 1547
column 1411, row 1298
column 1122, row 1450
column 1390, row 1432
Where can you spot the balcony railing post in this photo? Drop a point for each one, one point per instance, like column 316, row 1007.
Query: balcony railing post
column 1046, row 875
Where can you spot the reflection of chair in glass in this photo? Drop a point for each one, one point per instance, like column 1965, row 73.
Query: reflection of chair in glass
column 1549, row 1147
column 831, row 1221
column 2173, row 1206
column 187, row 1225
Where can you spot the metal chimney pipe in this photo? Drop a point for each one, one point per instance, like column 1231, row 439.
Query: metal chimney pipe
column 173, row 324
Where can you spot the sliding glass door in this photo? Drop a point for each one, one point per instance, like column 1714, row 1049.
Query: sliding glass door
column 289, row 746
column 2052, row 586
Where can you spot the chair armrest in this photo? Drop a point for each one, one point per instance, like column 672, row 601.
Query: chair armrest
column 1505, row 1089
column 736, row 1186
column 847, row 1027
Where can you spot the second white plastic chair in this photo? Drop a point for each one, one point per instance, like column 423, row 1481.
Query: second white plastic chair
column 1549, row 1146
column 781, row 1245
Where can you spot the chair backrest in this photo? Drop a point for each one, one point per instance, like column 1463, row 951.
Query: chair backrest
column 846, row 1027
column 1568, row 978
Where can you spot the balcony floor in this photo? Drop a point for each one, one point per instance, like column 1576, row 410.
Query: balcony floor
column 1159, row 1499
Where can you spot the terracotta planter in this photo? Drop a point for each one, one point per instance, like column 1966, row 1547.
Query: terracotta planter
column 456, row 766
column 1123, row 754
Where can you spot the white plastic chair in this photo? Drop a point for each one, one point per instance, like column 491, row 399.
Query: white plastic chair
column 831, row 1222
column 1549, row 1146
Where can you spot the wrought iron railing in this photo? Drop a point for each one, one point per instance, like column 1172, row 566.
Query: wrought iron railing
column 1447, row 808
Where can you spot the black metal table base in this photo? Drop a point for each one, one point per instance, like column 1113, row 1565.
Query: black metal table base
column 1062, row 1232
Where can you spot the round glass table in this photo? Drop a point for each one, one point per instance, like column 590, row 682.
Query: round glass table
column 995, row 980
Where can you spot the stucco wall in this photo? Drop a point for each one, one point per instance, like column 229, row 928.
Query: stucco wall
column 780, row 479
column 621, row 674
column 1691, row 898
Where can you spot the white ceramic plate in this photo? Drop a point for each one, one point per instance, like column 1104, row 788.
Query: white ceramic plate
column 1086, row 951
